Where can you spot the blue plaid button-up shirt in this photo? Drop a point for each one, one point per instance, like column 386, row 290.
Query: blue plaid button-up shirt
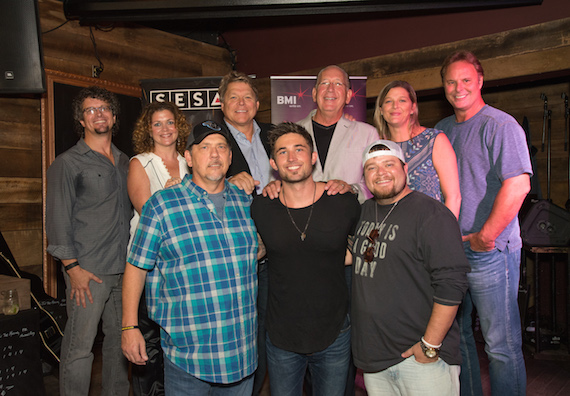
column 203, row 288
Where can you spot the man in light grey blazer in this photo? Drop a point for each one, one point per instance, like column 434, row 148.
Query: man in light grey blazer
column 339, row 142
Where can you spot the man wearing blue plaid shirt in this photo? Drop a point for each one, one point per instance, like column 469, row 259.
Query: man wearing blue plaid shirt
column 200, row 238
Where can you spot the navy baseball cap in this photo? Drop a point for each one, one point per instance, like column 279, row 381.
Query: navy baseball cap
column 205, row 129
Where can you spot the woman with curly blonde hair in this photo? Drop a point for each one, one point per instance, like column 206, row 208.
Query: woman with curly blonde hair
column 159, row 139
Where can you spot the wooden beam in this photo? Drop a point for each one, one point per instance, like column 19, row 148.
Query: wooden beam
column 129, row 52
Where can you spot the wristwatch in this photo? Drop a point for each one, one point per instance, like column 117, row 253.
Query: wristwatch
column 429, row 350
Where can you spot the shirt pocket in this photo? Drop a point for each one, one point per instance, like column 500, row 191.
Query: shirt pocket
column 96, row 185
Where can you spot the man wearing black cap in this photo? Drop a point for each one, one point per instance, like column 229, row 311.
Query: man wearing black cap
column 200, row 237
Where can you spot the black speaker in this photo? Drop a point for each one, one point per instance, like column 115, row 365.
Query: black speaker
column 545, row 224
column 21, row 56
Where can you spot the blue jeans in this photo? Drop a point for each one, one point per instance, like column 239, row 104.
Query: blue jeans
column 493, row 291
column 178, row 382
column 411, row 378
column 328, row 368
column 79, row 336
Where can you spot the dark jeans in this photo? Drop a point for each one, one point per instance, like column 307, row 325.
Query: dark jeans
column 329, row 368
column 148, row 380
column 262, row 286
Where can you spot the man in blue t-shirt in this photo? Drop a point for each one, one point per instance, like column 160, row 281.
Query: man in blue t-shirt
column 494, row 176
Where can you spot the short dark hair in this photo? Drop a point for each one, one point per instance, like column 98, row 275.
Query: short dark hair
column 233, row 77
column 284, row 128
column 458, row 56
column 96, row 93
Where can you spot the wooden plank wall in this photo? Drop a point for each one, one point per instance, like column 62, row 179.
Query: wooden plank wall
column 129, row 53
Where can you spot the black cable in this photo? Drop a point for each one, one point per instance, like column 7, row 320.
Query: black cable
column 55, row 28
column 233, row 54
column 98, row 70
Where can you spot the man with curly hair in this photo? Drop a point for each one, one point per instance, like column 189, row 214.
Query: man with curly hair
column 87, row 225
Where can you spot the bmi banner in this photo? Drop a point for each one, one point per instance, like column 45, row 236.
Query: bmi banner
column 197, row 97
column 292, row 100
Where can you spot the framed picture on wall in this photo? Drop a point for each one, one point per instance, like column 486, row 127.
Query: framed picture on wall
column 58, row 135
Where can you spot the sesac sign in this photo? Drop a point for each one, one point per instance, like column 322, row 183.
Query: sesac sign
column 189, row 99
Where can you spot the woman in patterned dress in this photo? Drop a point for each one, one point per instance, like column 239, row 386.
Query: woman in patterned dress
column 432, row 164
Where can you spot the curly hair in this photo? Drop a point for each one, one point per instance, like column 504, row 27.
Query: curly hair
column 284, row 128
column 94, row 92
column 465, row 56
column 233, row 77
column 379, row 121
column 142, row 135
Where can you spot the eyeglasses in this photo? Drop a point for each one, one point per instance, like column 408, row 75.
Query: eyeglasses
column 93, row 110
column 369, row 253
column 326, row 84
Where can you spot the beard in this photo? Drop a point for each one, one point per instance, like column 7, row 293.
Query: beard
column 103, row 131
column 393, row 192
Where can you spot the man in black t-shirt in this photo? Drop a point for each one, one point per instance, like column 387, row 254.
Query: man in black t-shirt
column 305, row 232
column 409, row 279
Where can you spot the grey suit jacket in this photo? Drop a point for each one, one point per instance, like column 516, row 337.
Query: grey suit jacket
column 344, row 158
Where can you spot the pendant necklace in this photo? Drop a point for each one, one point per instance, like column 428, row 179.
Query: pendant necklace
column 304, row 232
column 376, row 231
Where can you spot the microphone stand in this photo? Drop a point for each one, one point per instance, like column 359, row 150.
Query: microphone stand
column 566, row 138
column 544, row 118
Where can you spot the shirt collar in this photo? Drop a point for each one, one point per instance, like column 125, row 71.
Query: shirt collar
column 240, row 135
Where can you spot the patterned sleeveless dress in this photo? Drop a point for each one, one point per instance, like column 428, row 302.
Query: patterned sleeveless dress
column 418, row 152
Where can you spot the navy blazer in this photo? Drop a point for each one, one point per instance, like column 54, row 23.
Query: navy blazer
column 239, row 164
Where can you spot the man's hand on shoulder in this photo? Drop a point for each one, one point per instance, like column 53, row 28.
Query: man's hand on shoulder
column 479, row 243
column 244, row 181
column 272, row 189
column 334, row 187
column 79, row 280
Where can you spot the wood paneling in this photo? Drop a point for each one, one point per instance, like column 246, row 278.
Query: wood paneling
column 17, row 216
column 22, row 190
column 20, row 163
column 129, row 52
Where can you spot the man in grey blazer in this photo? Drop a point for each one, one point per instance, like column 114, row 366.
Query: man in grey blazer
column 339, row 142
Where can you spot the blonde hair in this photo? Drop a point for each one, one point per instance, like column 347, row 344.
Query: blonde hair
column 379, row 121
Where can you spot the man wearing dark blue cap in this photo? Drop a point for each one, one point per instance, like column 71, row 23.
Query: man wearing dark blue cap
column 200, row 237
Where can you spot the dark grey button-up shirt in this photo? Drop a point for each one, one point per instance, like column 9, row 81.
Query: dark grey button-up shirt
column 88, row 209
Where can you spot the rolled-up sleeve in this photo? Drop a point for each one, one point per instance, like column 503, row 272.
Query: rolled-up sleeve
column 60, row 199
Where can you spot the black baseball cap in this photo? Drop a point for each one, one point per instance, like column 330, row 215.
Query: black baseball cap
column 204, row 129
